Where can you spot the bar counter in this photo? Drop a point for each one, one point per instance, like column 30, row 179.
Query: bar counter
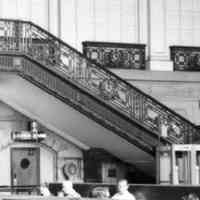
column 141, row 192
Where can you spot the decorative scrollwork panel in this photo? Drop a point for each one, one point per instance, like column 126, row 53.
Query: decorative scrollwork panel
column 116, row 55
column 185, row 58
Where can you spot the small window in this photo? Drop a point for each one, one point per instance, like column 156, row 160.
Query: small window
column 24, row 163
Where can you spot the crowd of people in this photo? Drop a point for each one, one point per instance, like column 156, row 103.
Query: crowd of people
column 122, row 192
column 69, row 191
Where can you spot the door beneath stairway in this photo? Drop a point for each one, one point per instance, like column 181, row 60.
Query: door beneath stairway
column 25, row 170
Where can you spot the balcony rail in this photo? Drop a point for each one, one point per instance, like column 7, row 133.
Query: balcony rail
column 31, row 40
column 185, row 58
column 116, row 55
column 63, row 89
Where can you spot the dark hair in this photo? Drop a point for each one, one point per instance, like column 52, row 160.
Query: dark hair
column 123, row 180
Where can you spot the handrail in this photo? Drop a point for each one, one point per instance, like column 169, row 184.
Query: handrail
column 30, row 39
column 81, row 100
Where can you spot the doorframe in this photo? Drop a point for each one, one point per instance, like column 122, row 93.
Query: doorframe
column 38, row 162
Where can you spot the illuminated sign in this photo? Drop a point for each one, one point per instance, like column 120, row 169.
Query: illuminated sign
column 27, row 136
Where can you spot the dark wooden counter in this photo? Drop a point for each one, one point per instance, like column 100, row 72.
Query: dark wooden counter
column 146, row 192
column 141, row 192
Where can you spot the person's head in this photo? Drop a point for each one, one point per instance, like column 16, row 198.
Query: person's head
column 193, row 196
column 67, row 186
column 140, row 196
column 44, row 189
column 122, row 186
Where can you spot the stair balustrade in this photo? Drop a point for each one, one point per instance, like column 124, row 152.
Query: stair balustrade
column 64, row 69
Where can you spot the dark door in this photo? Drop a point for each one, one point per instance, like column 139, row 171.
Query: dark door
column 25, row 166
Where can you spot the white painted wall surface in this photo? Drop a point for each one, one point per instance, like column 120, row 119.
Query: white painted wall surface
column 11, row 120
column 47, row 166
column 5, row 167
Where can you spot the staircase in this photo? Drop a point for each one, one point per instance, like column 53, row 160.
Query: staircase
column 36, row 62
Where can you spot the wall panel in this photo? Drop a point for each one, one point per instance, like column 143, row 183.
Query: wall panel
column 85, row 22
column 196, row 18
column 129, row 21
column 173, row 22
column 158, row 24
column 53, row 15
column 196, row 37
column 187, row 37
column 24, row 9
column 196, row 5
column 9, row 8
column 183, row 25
column 101, row 16
column 77, row 20
column 172, row 4
column 186, row 5
column 34, row 10
column 105, row 20
column 39, row 12
column 142, row 19
column 68, row 21
column 47, row 166
column 173, row 32
column 5, row 167
column 114, row 20
column 172, row 37
column 187, row 20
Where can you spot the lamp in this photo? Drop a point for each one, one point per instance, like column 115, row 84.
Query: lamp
column 33, row 135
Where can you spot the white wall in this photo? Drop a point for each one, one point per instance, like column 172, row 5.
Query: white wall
column 47, row 165
column 33, row 10
column 173, row 22
column 52, row 149
column 77, row 20
column 9, row 120
column 5, row 167
column 101, row 20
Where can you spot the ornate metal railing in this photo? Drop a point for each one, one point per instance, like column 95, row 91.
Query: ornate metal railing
column 89, row 105
column 116, row 55
column 185, row 58
column 136, row 106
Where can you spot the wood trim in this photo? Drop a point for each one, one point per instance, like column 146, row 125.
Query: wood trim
column 112, row 44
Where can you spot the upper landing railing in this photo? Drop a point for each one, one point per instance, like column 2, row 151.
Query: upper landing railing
column 29, row 39
column 185, row 58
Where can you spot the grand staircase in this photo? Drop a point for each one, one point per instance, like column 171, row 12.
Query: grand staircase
column 46, row 79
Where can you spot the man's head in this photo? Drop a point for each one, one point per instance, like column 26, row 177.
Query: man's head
column 67, row 186
column 193, row 196
column 122, row 186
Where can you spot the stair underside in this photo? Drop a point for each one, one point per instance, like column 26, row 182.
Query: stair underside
column 57, row 116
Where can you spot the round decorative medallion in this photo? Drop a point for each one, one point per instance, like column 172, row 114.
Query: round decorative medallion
column 72, row 169
column 69, row 169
